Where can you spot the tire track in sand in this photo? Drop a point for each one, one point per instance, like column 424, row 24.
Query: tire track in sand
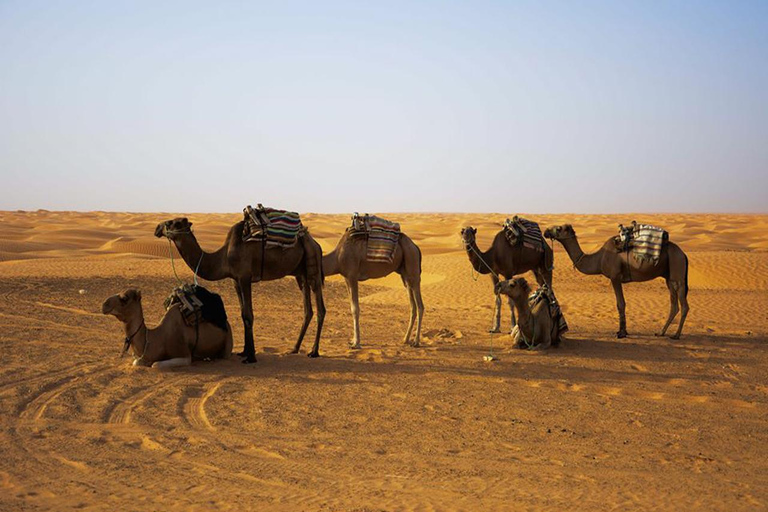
column 121, row 412
column 35, row 407
column 193, row 407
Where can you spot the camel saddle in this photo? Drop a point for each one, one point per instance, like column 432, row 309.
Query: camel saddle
column 190, row 305
column 544, row 293
column 382, row 234
column 197, row 305
column 520, row 231
column 643, row 240
column 279, row 228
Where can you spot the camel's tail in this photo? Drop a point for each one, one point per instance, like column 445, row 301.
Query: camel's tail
column 313, row 259
column 686, row 274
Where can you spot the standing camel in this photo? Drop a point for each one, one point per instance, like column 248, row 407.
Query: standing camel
column 504, row 261
column 349, row 259
column 249, row 262
column 623, row 268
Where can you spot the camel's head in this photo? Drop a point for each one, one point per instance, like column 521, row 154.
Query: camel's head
column 123, row 305
column 560, row 232
column 468, row 235
column 517, row 288
column 173, row 228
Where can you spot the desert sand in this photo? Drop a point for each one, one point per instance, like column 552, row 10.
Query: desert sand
column 597, row 424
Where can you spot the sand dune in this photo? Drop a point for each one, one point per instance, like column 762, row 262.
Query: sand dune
column 597, row 424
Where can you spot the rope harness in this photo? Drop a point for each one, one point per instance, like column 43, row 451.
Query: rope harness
column 129, row 339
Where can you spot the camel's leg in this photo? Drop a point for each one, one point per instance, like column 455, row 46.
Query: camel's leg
column 172, row 363
column 682, row 294
column 247, row 314
column 497, row 308
column 240, row 300
column 307, row 296
column 512, row 309
column 420, row 309
column 621, row 306
column 673, row 309
column 412, row 300
column 354, row 306
column 320, row 303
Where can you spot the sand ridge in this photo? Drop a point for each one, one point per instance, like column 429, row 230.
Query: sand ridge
column 600, row 423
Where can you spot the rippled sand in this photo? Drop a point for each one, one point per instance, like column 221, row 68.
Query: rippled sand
column 599, row 423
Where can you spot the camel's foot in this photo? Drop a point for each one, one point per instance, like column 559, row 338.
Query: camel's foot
column 249, row 360
column 314, row 353
column 621, row 334
column 675, row 337
column 495, row 330
column 354, row 345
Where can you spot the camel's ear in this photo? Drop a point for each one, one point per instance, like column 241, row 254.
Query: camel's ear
column 133, row 295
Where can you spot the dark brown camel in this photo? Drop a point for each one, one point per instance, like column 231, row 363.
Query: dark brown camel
column 622, row 267
column 349, row 259
column 503, row 260
column 248, row 262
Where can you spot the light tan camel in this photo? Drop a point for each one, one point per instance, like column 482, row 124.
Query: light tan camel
column 172, row 342
column 250, row 262
column 623, row 268
column 535, row 326
column 504, row 261
column 349, row 259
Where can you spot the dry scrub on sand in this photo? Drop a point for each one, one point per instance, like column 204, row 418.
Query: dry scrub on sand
column 598, row 423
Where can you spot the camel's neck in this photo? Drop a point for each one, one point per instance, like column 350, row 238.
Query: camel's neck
column 212, row 266
column 524, row 317
column 481, row 266
column 136, row 330
column 331, row 263
column 584, row 263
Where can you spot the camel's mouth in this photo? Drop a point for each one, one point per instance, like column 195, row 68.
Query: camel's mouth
column 161, row 230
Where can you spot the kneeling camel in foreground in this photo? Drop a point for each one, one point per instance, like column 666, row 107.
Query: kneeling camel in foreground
column 535, row 327
column 173, row 342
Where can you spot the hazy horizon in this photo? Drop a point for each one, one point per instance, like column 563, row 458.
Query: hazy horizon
column 653, row 107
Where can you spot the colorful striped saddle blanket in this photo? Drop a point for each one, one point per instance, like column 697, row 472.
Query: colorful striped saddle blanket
column 382, row 236
column 523, row 231
column 279, row 228
column 645, row 241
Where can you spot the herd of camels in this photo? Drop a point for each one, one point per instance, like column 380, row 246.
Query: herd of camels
column 249, row 262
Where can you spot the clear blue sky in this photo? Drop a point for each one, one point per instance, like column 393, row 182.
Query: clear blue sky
column 607, row 106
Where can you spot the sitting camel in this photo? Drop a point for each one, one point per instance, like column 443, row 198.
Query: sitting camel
column 173, row 342
column 623, row 268
column 349, row 259
column 535, row 327
column 503, row 261
column 250, row 262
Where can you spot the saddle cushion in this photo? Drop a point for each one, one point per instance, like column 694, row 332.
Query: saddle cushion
column 279, row 228
column 523, row 231
column 383, row 236
column 197, row 305
column 644, row 240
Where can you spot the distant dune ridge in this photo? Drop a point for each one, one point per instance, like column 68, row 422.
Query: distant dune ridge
column 597, row 424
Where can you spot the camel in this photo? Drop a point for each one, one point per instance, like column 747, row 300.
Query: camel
column 623, row 268
column 535, row 327
column 349, row 260
column 251, row 262
column 172, row 343
column 503, row 261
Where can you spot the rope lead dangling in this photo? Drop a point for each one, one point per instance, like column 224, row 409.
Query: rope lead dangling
column 173, row 265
